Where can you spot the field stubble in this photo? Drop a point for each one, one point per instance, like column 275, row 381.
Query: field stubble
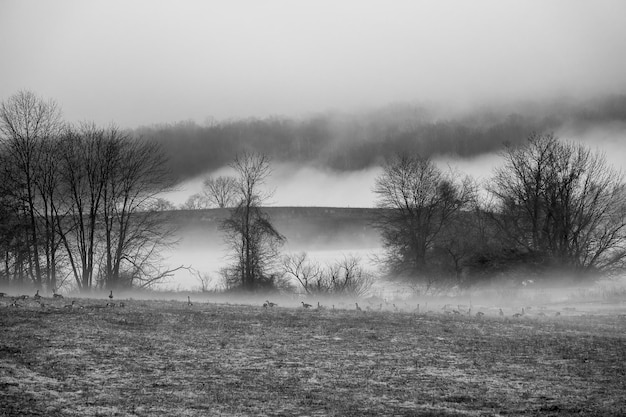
column 167, row 358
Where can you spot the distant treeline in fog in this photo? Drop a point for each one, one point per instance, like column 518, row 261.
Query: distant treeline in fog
column 359, row 140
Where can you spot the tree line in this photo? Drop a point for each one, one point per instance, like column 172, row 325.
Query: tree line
column 354, row 141
column 76, row 202
column 82, row 203
column 552, row 209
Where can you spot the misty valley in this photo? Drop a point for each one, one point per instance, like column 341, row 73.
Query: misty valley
column 312, row 208
column 445, row 294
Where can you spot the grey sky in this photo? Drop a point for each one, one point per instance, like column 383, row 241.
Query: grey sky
column 144, row 62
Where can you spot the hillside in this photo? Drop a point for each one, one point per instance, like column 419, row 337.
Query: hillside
column 306, row 228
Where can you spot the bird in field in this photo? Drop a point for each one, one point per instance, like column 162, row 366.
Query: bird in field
column 501, row 313
column 37, row 296
column 55, row 295
column 189, row 301
column 357, row 307
column 2, row 294
column 270, row 304
column 519, row 314
column 110, row 304
column 23, row 297
column 320, row 307
column 264, row 305
column 480, row 314
column 68, row 306
column 305, row 305
column 111, row 295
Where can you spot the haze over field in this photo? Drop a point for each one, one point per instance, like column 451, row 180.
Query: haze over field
column 363, row 77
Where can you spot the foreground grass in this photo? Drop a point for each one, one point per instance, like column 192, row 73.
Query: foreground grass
column 166, row 358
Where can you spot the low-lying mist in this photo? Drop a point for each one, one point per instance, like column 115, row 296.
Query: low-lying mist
column 331, row 159
column 351, row 142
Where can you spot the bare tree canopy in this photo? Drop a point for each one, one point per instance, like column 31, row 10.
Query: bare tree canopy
column 28, row 125
column 248, row 230
column 419, row 202
column 563, row 203
column 221, row 191
column 343, row 277
column 77, row 201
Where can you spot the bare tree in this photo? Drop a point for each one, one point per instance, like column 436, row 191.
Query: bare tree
column 134, row 234
column 308, row 274
column 221, row 191
column 87, row 158
column 195, row 202
column 418, row 202
column 162, row 204
column 348, row 277
column 110, row 182
column 562, row 203
column 248, row 230
column 343, row 277
column 27, row 125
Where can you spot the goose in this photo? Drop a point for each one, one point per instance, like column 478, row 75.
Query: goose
column 69, row 305
column 305, row 305
column 519, row 314
column 37, row 296
column 357, row 307
column 480, row 314
column 111, row 295
column 264, row 305
column 55, row 295
column 23, row 297
column 189, row 301
column 110, row 304
column 270, row 304
column 3, row 294
column 501, row 313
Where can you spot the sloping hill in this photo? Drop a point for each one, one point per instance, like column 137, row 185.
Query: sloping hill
column 306, row 228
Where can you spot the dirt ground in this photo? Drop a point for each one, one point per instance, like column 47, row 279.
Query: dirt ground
column 166, row 358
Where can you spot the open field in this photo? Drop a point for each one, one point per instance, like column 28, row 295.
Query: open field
column 167, row 358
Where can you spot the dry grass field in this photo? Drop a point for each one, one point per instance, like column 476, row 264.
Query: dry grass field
column 165, row 358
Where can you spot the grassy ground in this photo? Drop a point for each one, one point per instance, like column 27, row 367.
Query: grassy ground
column 167, row 358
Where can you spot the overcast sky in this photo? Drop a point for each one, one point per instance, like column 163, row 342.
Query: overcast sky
column 145, row 62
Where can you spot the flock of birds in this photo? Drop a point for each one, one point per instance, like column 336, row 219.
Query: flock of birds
column 45, row 302
column 448, row 309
